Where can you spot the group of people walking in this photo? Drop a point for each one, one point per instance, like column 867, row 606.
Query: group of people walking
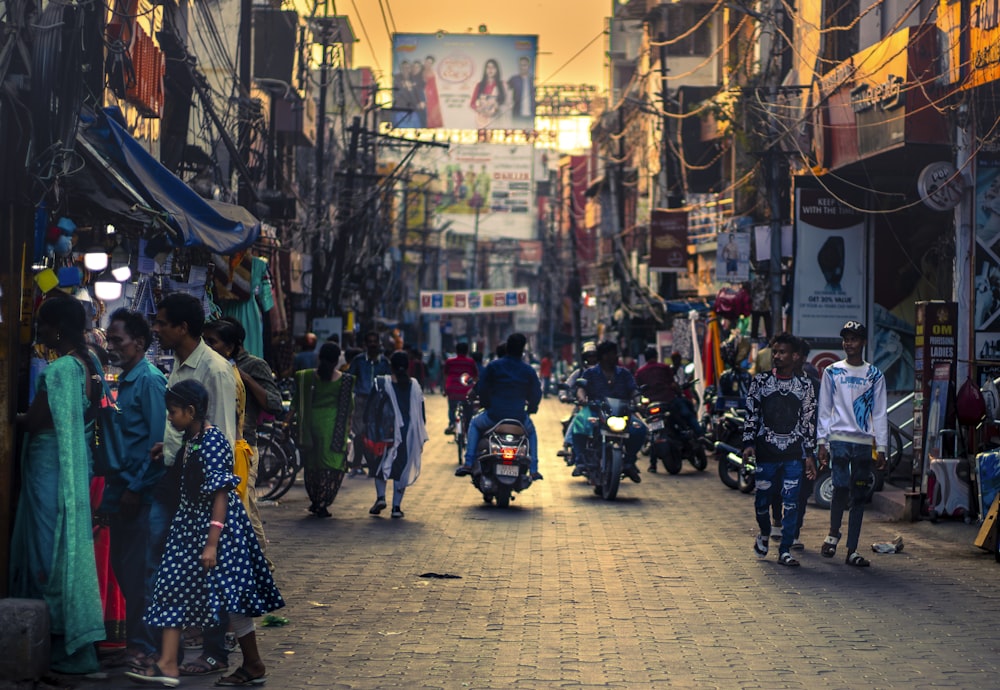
column 796, row 424
column 178, row 458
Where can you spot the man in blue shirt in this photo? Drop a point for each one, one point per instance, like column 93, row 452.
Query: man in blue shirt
column 365, row 367
column 128, row 491
column 608, row 380
column 509, row 389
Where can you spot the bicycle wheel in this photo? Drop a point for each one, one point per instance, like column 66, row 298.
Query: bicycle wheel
column 270, row 480
column 271, row 459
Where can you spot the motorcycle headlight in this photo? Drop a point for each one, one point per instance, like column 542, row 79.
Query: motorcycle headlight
column 617, row 424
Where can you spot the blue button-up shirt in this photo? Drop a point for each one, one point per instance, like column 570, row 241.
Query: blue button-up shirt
column 622, row 384
column 510, row 389
column 143, row 418
column 365, row 370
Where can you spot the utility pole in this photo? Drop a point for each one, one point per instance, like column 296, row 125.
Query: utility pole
column 668, row 281
column 243, row 195
column 319, row 211
column 776, row 168
column 346, row 218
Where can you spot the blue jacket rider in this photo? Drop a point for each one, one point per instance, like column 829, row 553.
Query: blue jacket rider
column 509, row 389
column 608, row 380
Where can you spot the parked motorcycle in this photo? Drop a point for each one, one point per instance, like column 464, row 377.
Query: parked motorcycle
column 734, row 471
column 503, row 462
column 604, row 453
column 671, row 440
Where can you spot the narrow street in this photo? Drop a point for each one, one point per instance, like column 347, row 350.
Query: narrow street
column 657, row 589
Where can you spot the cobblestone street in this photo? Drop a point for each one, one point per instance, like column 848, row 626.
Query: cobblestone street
column 657, row 589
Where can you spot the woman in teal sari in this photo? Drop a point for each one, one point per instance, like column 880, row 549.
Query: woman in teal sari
column 52, row 548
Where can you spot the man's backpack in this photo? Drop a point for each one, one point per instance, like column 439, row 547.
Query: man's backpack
column 380, row 418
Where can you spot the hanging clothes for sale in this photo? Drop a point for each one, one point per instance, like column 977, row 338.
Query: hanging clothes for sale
column 244, row 294
column 732, row 303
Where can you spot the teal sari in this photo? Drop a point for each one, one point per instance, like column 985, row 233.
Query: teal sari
column 52, row 547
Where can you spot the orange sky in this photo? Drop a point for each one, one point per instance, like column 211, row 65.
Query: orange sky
column 563, row 27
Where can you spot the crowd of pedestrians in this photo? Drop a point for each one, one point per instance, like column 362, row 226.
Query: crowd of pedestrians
column 176, row 491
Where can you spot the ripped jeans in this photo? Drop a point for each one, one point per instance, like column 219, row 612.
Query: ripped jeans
column 789, row 473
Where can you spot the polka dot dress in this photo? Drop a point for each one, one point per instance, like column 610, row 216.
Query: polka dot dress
column 185, row 594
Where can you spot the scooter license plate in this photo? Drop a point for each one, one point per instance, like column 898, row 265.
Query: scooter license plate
column 655, row 424
column 508, row 470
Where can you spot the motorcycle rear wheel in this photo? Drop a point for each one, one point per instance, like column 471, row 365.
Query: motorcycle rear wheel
column 611, row 473
column 503, row 497
column 673, row 462
column 747, row 483
column 699, row 459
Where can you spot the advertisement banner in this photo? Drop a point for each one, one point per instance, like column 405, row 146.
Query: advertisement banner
column 463, row 81
column 484, row 189
column 668, row 240
column 732, row 258
column 986, row 283
column 830, row 265
column 474, row 301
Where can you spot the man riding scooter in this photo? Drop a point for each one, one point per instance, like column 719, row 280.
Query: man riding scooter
column 608, row 380
column 509, row 389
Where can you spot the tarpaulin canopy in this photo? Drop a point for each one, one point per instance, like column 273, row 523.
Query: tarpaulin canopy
column 130, row 182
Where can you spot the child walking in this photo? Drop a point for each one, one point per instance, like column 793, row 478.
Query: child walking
column 212, row 564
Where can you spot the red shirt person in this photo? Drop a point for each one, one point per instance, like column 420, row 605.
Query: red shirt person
column 455, row 387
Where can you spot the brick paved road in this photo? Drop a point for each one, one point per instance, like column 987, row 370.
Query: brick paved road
column 658, row 589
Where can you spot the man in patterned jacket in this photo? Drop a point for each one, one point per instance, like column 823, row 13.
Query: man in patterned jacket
column 779, row 436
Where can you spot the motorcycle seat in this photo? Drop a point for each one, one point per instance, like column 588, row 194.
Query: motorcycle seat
column 508, row 426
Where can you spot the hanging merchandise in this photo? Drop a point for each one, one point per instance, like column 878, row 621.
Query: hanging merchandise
column 732, row 303
column 970, row 406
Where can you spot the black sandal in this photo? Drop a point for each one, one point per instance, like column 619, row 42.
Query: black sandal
column 857, row 560
column 829, row 549
column 787, row 559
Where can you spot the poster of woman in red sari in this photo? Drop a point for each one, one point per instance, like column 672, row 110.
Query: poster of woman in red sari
column 431, row 96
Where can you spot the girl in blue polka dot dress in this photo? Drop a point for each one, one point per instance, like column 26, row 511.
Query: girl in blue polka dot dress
column 212, row 562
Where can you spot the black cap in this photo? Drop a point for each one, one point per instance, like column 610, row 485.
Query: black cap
column 854, row 328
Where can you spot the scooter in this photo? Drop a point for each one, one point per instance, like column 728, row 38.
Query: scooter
column 503, row 462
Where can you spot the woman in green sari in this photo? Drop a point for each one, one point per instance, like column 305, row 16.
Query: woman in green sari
column 52, row 548
column 324, row 403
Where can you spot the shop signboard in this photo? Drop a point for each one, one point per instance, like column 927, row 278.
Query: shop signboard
column 879, row 100
column 474, row 301
column 936, row 347
column 830, row 265
column 463, row 81
column 984, row 43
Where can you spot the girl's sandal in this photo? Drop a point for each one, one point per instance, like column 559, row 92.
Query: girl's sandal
column 829, row 549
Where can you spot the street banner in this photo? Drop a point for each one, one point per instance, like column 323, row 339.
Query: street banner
column 463, row 81
column 668, row 240
column 830, row 265
column 474, row 301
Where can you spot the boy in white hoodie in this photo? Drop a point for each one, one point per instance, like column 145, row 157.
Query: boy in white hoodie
column 852, row 415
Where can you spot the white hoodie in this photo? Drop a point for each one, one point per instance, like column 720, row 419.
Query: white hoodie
column 852, row 405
